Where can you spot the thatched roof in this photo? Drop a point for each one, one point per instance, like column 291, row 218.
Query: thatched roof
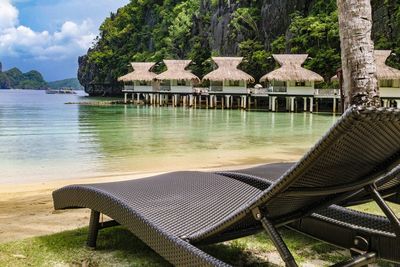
column 383, row 71
column 141, row 72
column 291, row 70
column 176, row 70
column 228, row 70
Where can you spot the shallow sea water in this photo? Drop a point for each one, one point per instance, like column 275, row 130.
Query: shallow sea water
column 43, row 139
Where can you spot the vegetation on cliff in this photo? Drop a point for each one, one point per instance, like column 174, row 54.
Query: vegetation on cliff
column 66, row 83
column 14, row 78
column 151, row 30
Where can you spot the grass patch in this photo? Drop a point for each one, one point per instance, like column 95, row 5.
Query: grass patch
column 119, row 247
column 116, row 247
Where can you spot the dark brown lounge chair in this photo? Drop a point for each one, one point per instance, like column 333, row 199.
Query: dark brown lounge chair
column 359, row 232
column 172, row 213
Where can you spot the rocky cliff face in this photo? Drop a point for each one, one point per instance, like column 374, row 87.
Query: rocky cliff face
column 213, row 24
column 87, row 76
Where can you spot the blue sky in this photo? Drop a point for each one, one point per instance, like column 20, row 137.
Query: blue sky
column 50, row 35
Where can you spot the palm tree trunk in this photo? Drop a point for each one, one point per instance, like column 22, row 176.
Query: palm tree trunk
column 360, row 83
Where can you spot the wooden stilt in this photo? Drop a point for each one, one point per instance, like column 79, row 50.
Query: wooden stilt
column 292, row 99
column 334, row 105
column 273, row 103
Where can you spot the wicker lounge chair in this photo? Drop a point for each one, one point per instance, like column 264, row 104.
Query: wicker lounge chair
column 359, row 232
column 172, row 213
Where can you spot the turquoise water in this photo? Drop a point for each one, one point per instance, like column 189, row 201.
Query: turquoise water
column 43, row 139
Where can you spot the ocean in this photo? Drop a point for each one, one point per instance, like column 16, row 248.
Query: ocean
column 44, row 139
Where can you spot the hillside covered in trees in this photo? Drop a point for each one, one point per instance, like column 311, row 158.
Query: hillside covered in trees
column 66, row 83
column 152, row 30
column 14, row 78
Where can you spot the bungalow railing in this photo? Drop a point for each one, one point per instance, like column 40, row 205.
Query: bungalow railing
column 259, row 91
column 277, row 89
column 201, row 90
column 129, row 88
column 327, row 92
column 165, row 87
column 216, row 88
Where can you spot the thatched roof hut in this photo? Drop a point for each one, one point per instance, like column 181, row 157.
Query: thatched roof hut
column 176, row 70
column 291, row 70
column 141, row 72
column 383, row 71
column 228, row 70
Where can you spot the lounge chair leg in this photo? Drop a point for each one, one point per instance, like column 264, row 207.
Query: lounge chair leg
column 279, row 243
column 359, row 261
column 385, row 208
column 93, row 229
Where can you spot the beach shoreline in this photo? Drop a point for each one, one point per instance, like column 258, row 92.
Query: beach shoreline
column 26, row 210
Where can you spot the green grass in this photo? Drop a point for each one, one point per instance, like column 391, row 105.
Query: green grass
column 118, row 247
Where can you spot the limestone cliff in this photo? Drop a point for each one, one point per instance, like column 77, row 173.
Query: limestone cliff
column 153, row 30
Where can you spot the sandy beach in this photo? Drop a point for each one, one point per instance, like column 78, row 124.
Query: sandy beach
column 26, row 210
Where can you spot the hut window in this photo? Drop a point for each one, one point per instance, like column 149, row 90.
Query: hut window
column 181, row 82
column 144, row 83
column 216, row 83
column 234, row 83
column 279, row 83
column 386, row 83
column 300, row 84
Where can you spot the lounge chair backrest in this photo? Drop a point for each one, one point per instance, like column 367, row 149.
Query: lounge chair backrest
column 361, row 146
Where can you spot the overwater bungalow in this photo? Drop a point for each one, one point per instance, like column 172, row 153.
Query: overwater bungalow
column 389, row 79
column 178, row 81
column 140, row 80
column 291, row 80
column 229, row 80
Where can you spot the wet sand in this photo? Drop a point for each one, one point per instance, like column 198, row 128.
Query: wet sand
column 26, row 210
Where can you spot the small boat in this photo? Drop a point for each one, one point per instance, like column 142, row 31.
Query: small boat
column 68, row 91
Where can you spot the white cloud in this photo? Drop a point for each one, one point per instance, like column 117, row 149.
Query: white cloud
column 71, row 39
column 8, row 14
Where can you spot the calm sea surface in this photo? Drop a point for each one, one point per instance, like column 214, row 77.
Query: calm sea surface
column 42, row 138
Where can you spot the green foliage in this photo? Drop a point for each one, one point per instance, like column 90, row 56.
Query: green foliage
column 146, row 30
column 200, row 55
column 278, row 46
column 245, row 21
column 152, row 30
column 318, row 36
column 255, row 58
column 179, row 31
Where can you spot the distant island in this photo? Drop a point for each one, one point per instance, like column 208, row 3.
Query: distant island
column 16, row 79
column 72, row 83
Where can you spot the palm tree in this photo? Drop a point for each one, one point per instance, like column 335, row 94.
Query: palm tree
column 360, row 84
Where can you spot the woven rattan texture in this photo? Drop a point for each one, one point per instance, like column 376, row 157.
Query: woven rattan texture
column 263, row 176
column 345, row 216
column 363, row 143
column 169, row 206
column 165, row 210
